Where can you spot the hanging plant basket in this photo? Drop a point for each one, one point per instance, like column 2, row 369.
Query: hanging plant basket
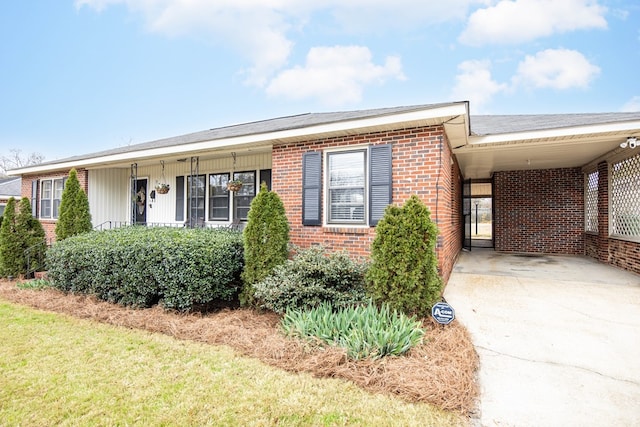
column 234, row 185
column 162, row 188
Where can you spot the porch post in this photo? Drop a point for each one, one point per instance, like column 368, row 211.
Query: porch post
column 603, row 212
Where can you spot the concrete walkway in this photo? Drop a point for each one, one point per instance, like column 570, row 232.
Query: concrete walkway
column 558, row 338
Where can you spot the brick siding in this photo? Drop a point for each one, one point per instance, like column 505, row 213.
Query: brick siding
column 421, row 166
column 540, row 211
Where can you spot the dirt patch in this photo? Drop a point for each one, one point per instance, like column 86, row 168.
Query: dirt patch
column 442, row 371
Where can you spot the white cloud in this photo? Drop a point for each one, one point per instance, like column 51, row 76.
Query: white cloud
column 557, row 69
column 335, row 75
column 632, row 105
column 255, row 29
column 378, row 16
column 261, row 30
column 517, row 21
column 475, row 83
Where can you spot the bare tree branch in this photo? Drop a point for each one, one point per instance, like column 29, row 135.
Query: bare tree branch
column 16, row 160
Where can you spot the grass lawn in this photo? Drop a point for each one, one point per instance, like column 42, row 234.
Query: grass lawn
column 59, row 370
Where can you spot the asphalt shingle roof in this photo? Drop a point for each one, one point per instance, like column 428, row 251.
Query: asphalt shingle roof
column 10, row 187
column 258, row 127
column 480, row 125
column 501, row 124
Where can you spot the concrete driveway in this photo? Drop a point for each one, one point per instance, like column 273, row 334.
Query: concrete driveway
column 558, row 338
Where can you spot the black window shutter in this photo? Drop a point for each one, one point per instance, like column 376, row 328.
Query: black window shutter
column 180, row 198
column 380, row 181
column 34, row 198
column 311, row 188
column 265, row 176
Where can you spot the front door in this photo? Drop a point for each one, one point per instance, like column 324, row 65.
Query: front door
column 141, row 201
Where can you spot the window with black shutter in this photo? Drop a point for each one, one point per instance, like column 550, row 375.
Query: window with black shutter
column 311, row 188
column 380, row 181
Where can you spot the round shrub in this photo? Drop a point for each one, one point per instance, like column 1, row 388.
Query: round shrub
column 310, row 278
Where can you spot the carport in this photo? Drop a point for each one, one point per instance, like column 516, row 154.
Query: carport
column 557, row 336
column 561, row 184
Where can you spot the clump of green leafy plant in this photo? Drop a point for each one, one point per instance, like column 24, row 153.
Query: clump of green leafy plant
column 311, row 278
column 35, row 284
column 365, row 331
column 404, row 269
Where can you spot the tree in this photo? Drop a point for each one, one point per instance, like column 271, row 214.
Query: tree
column 74, row 216
column 404, row 268
column 266, row 239
column 11, row 252
column 32, row 237
column 15, row 160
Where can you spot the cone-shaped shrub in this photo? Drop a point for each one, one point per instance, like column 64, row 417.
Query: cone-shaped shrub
column 266, row 239
column 74, row 217
column 404, row 269
column 32, row 237
column 11, row 253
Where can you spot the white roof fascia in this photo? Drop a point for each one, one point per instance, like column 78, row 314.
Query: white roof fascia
column 310, row 131
column 632, row 126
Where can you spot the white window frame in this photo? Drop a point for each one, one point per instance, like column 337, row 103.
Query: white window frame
column 52, row 199
column 327, row 190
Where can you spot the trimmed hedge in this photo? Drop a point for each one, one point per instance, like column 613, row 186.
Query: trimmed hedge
column 139, row 266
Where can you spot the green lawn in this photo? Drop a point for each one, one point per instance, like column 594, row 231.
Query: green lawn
column 58, row 370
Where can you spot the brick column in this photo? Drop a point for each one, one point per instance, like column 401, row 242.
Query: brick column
column 603, row 212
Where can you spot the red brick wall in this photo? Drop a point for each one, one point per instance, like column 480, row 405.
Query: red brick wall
column 419, row 164
column 624, row 254
column 621, row 253
column 49, row 225
column 540, row 211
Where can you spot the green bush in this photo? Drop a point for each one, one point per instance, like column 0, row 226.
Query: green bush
column 365, row 331
column 32, row 236
column 311, row 278
column 139, row 266
column 266, row 239
column 404, row 269
column 74, row 217
column 11, row 250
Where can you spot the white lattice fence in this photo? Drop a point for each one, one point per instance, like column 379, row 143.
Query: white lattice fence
column 591, row 202
column 625, row 198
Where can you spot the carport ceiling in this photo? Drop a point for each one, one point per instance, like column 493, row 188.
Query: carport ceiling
column 543, row 148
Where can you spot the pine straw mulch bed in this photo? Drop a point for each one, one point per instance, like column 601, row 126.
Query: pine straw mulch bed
column 442, row 371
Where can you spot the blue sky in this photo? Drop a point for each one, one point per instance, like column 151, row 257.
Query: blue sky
column 86, row 75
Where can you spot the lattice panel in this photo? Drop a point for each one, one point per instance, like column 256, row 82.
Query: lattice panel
column 625, row 197
column 591, row 202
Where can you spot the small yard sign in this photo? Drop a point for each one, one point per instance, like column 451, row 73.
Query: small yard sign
column 443, row 313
